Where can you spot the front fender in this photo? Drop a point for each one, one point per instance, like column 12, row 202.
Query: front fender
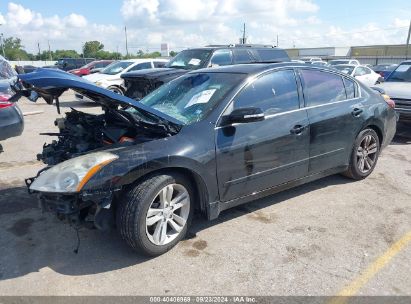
column 126, row 171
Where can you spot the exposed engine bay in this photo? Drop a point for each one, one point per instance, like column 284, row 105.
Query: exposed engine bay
column 81, row 132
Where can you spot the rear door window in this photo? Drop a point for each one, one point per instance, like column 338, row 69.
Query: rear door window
column 243, row 56
column 222, row 57
column 272, row 55
column 273, row 93
column 361, row 71
column 321, row 87
column 159, row 64
column 350, row 88
column 141, row 66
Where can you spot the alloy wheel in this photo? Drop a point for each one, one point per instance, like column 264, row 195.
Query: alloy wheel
column 367, row 153
column 167, row 214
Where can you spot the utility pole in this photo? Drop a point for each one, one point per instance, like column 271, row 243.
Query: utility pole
column 2, row 44
column 38, row 46
column 50, row 57
column 125, row 32
column 244, row 34
column 277, row 40
column 408, row 42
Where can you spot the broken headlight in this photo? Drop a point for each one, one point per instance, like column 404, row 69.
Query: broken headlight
column 70, row 176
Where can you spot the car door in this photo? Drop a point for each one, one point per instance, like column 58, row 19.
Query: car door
column 259, row 155
column 334, row 111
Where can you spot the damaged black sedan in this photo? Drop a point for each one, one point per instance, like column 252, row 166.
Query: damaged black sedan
column 207, row 141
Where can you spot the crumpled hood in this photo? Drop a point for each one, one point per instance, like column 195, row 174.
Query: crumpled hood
column 50, row 82
column 400, row 90
column 160, row 74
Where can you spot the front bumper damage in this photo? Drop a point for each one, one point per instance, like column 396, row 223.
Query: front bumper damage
column 88, row 208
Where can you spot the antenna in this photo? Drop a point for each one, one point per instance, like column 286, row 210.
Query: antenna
column 243, row 40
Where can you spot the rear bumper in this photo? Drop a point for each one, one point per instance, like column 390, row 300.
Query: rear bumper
column 11, row 122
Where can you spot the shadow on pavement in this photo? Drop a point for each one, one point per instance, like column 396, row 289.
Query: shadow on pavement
column 32, row 240
column 403, row 134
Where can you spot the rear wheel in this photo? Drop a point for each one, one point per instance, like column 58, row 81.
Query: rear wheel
column 364, row 155
column 154, row 216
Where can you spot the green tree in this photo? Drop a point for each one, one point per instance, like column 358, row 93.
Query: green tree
column 65, row 54
column 14, row 50
column 91, row 48
column 173, row 53
column 107, row 55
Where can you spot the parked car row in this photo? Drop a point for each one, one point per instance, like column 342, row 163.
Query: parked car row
column 362, row 73
column 398, row 87
column 109, row 77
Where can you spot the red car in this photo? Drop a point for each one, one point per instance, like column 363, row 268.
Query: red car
column 92, row 67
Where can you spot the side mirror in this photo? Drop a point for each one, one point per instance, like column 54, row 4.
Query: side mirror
column 245, row 115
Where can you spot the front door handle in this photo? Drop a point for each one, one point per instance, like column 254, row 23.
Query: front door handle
column 298, row 129
column 356, row 112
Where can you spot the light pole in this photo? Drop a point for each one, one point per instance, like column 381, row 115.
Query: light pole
column 2, row 44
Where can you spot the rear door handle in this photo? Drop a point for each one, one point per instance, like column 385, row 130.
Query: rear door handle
column 298, row 129
column 356, row 112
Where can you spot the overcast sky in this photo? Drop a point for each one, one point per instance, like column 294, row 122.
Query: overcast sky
column 188, row 23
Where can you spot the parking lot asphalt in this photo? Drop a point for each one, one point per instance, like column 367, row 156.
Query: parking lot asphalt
column 332, row 236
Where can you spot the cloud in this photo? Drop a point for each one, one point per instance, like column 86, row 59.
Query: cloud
column 63, row 32
column 2, row 19
column 401, row 22
column 75, row 20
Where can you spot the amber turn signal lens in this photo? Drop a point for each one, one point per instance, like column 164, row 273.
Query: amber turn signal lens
column 389, row 101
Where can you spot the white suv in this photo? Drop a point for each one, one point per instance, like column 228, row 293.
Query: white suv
column 109, row 78
column 343, row 61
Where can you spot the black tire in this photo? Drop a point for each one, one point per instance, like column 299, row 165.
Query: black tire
column 354, row 170
column 116, row 90
column 132, row 211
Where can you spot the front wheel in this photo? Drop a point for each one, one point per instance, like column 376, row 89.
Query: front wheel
column 364, row 155
column 154, row 216
column 116, row 90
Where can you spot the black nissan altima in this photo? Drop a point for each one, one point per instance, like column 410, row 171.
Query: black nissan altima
column 207, row 141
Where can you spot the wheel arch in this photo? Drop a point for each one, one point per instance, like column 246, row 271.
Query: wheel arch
column 377, row 130
column 201, row 194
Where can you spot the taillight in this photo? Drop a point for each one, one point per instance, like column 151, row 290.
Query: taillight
column 389, row 101
column 4, row 101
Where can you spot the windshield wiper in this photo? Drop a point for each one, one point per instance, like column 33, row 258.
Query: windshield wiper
column 178, row 67
column 158, row 123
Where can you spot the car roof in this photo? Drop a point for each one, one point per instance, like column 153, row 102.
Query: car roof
column 142, row 60
column 235, row 46
column 256, row 68
column 348, row 65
